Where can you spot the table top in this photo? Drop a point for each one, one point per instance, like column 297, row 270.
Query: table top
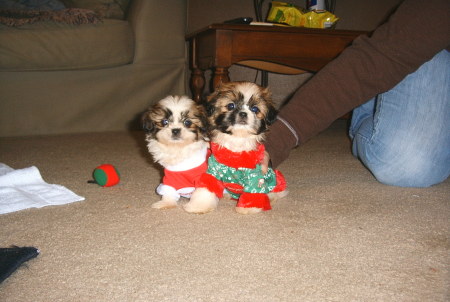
column 275, row 28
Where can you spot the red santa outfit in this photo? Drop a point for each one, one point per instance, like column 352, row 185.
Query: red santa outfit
column 180, row 180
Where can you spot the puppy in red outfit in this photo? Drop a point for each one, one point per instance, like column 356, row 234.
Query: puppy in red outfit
column 176, row 137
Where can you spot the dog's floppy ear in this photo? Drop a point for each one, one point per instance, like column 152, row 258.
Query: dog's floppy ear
column 147, row 124
column 210, row 103
column 271, row 115
column 203, row 128
column 210, row 108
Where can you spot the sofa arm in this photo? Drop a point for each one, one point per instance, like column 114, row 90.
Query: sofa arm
column 159, row 28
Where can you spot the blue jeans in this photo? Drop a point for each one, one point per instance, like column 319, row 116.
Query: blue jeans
column 403, row 135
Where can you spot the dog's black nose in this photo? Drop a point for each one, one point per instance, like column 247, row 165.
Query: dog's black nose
column 243, row 114
column 176, row 131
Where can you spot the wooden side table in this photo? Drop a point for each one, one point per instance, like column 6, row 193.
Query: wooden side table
column 287, row 50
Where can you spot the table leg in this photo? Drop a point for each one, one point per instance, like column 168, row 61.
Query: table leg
column 197, row 83
column 220, row 76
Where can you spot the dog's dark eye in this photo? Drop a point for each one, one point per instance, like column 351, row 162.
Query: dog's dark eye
column 231, row 106
column 187, row 123
column 165, row 122
column 254, row 109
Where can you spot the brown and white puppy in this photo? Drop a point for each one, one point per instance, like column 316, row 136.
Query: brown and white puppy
column 176, row 137
column 239, row 115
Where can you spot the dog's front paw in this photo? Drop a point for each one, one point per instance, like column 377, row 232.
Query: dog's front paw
column 165, row 203
column 202, row 201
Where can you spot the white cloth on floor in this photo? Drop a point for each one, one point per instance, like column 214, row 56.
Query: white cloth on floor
column 24, row 188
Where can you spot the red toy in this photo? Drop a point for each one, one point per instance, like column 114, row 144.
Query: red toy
column 106, row 175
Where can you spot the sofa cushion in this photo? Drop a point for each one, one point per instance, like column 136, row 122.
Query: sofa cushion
column 60, row 46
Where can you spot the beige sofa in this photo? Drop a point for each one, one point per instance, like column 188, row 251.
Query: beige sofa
column 59, row 78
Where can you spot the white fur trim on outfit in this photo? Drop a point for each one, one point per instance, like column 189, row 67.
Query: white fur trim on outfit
column 163, row 190
column 192, row 162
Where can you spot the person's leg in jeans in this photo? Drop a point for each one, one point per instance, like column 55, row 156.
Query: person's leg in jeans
column 403, row 135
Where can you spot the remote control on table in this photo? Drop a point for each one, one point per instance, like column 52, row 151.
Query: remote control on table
column 242, row 20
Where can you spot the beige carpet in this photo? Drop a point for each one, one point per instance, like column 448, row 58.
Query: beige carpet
column 339, row 236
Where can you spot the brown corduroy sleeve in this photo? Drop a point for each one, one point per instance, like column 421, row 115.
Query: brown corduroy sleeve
column 371, row 65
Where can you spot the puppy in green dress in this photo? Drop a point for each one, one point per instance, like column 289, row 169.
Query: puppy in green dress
column 239, row 115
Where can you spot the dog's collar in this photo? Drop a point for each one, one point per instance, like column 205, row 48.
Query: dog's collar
column 244, row 159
